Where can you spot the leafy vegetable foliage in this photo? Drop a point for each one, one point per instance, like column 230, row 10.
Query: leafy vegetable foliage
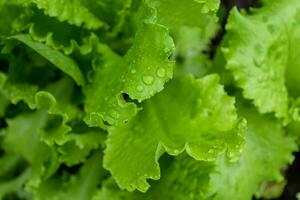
column 120, row 100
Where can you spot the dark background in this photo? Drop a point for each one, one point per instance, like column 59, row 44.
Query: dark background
column 293, row 172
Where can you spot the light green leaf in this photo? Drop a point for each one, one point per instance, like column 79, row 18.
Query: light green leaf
column 177, row 14
column 183, row 179
column 54, row 102
column 17, row 92
column 192, row 24
column 56, row 115
column 261, row 67
column 267, row 151
column 20, row 92
column 148, row 65
column 193, row 119
column 140, row 74
column 103, row 104
column 55, row 126
column 69, row 10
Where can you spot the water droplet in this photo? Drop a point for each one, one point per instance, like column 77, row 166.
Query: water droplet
column 167, row 49
column 148, row 80
column 139, row 88
column 133, row 71
column 211, row 151
column 161, row 72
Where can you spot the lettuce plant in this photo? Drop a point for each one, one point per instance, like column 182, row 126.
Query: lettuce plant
column 130, row 99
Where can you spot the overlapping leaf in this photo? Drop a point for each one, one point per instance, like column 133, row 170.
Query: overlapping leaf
column 63, row 62
column 71, row 11
column 81, row 186
column 111, row 64
column 60, row 35
column 267, row 151
column 191, row 36
column 182, row 178
column 193, row 120
column 140, row 74
column 262, row 67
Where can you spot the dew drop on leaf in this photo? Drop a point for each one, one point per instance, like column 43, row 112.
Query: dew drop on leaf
column 148, row 80
column 139, row 88
column 133, row 71
column 161, row 72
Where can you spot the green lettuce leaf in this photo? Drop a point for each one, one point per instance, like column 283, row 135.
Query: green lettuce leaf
column 193, row 120
column 71, row 11
column 63, row 62
column 192, row 37
column 40, row 129
column 60, row 114
column 81, row 186
column 15, row 18
column 3, row 105
column 113, row 13
column 20, row 92
column 141, row 73
column 26, row 142
column 8, row 163
column 78, row 146
column 60, row 35
column 267, row 151
column 102, row 99
column 182, row 178
column 264, row 68
column 14, row 185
